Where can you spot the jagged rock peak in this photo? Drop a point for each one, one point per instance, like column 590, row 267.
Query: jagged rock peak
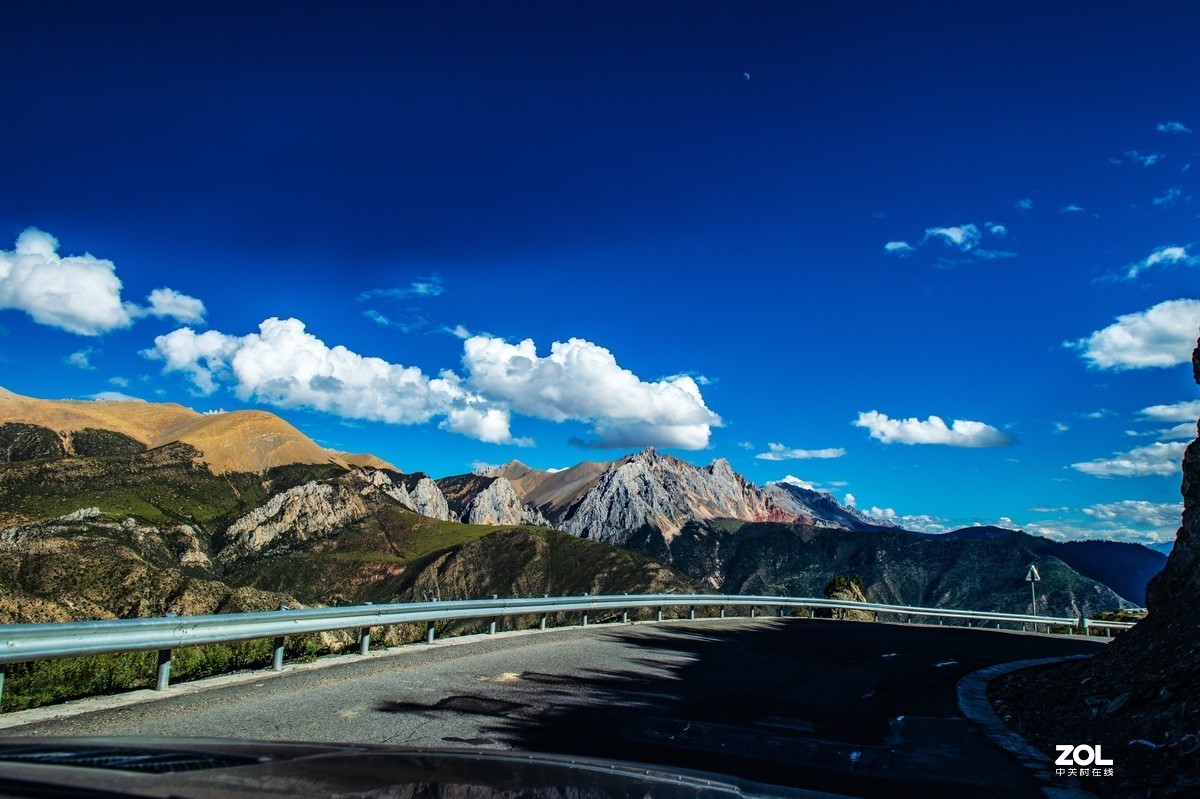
column 649, row 489
column 721, row 467
column 499, row 504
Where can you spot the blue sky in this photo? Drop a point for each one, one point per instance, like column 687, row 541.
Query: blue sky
column 787, row 234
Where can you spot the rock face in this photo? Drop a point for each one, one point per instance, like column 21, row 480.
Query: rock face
column 498, row 503
column 664, row 493
column 415, row 491
column 312, row 510
column 1140, row 697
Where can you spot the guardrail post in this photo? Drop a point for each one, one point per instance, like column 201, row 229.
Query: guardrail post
column 3, row 667
column 692, row 613
column 542, row 623
column 163, row 680
column 624, row 617
column 722, row 612
column 1083, row 624
column 430, row 631
column 781, row 611
column 659, row 616
column 364, row 637
column 492, row 623
column 277, row 658
column 1107, row 633
column 585, row 613
column 753, row 612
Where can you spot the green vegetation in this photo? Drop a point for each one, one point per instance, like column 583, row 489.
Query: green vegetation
column 27, row 442
column 45, row 682
column 159, row 486
column 93, row 443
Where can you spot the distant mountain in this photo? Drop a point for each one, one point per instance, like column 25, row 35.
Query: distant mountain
column 984, row 572
column 244, row 500
column 238, row 441
column 1164, row 547
column 820, row 507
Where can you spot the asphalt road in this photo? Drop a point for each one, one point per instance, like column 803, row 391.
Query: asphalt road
column 858, row 708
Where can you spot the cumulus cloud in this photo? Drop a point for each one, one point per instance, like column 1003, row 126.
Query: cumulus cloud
column 1164, row 256
column 960, row 433
column 898, row 248
column 1072, row 209
column 425, row 287
column 581, row 381
column 779, row 452
column 796, row 481
column 849, row 500
column 170, row 304
column 79, row 293
column 1161, row 336
column 286, row 366
column 1159, row 458
column 1172, row 127
column 920, row 523
column 1024, row 204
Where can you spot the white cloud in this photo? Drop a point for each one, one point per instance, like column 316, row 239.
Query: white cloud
column 286, row 366
column 582, row 381
column 796, row 481
column 746, row 444
column 1161, row 336
column 79, row 293
column 113, row 396
column 1159, row 458
column 81, row 359
column 1184, row 431
column 898, row 248
column 1059, row 427
column 1170, row 198
column 1172, row 127
column 850, row 500
column 489, row 425
column 964, row 237
column 1071, row 209
column 779, row 452
column 1163, row 256
column 119, row 381
column 458, row 331
column 1185, row 411
column 921, row 523
column 170, row 304
column 997, row 229
column 1024, row 204
column 425, row 287
column 961, row 432
column 1145, row 159
column 1139, row 513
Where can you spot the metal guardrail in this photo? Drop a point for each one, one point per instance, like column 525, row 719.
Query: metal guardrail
column 21, row 643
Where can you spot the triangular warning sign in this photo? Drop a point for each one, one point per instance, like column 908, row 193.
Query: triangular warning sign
column 1033, row 575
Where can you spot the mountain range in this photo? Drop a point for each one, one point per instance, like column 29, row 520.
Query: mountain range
column 133, row 508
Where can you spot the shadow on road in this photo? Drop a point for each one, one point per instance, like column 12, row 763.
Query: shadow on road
column 861, row 708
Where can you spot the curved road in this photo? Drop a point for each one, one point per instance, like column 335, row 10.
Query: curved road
column 850, row 707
